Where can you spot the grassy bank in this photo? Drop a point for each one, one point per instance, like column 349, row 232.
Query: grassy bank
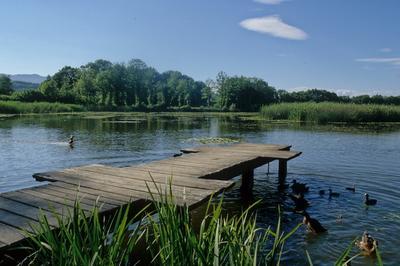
column 12, row 107
column 331, row 112
column 17, row 107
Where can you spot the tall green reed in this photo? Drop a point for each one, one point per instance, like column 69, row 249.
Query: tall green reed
column 326, row 112
column 221, row 240
column 84, row 239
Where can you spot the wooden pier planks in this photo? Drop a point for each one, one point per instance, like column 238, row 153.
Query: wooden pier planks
column 192, row 178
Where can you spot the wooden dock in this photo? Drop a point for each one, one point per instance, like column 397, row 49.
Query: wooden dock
column 193, row 178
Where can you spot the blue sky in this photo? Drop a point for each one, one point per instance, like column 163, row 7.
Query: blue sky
column 347, row 46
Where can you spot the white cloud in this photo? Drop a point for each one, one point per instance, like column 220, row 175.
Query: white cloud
column 387, row 60
column 269, row 2
column 273, row 25
column 385, row 50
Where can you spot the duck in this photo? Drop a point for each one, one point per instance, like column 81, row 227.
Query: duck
column 71, row 140
column 353, row 189
column 367, row 244
column 313, row 224
column 300, row 202
column 369, row 201
column 299, row 187
column 333, row 194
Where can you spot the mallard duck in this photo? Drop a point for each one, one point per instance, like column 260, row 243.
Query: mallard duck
column 298, row 188
column 300, row 202
column 353, row 189
column 312, row 224
column 367, row 244
column 369, row 201
column 333, row 194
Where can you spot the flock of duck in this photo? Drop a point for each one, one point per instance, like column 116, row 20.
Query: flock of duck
column 367, row 243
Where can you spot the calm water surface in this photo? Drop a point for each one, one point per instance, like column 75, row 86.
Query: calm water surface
column 333, row 156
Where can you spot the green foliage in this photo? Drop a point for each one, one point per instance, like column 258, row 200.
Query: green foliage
column 331, row 112
column 133, row 85
column 5, row 84
column 22, row 85
column 243, row 94
column 13, row 107
column 84, row 239
column 221, row 240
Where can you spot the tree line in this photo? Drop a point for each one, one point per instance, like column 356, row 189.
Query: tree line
column 141, row 87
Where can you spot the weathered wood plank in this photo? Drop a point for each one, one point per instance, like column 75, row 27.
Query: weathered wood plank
column 135, row 192
column 177, row 180
column 10, row 235
column 26, row 210
column 17, row 221
column 60, row 200
column 111, row 197
column 60, row 209
column 82, row 199
column 136, row 184
column 81, row 193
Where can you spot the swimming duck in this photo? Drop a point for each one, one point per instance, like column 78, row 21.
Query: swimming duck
column 312, row 224
column 353, row 189
column 71, row 140
column 300, row 202
column 367, row 244
column 299, row 187
column 333, row 194
column 369, row 201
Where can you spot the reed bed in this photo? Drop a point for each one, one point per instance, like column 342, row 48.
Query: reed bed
column 327, row 112
column 14, row 107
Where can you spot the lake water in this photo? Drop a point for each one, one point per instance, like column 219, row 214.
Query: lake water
column 333, row 156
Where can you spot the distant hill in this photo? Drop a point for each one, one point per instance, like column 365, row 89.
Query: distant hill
column 31, row 78
column 26, row 81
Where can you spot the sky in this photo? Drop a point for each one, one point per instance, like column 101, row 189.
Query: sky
column 347, row 46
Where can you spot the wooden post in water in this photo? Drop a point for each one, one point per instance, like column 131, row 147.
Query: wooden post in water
column 282, row 171
column 247, row 182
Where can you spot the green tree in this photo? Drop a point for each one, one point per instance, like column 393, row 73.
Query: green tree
column 5, row 85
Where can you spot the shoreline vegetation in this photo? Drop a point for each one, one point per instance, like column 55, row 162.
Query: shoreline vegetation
column 319, row 113
column 328, row 112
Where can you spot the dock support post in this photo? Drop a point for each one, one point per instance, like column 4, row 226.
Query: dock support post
column 282, row 171
column 247, row 182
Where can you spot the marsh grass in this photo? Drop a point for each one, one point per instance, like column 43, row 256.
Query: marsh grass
column 327, row 112
column 221, row 240
column 14, row 107
column 82, row 239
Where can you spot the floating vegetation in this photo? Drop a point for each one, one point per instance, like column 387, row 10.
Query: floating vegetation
column 215, row 140
column 123, row 122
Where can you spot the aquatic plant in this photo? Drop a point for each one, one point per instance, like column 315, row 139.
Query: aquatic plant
column 326, row 112
column 84, row 239
column 221, row 240
column 214, row 140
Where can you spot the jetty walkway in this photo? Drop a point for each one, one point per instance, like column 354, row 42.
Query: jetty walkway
column 193, row 178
